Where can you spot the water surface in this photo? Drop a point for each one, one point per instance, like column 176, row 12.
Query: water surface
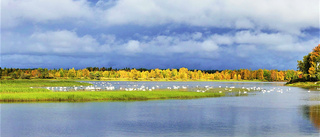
column 290, row 113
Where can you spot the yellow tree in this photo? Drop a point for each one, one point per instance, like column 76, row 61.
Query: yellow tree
column 273, row 75
column 158, row 73
column 106, row 74
column 183, row 73
column 239, row 77
column 79, row 73
column 312, row 71
column 144, row 74
column 174, row 73
column 57, row 75
column 71, row 73
column 152, row 74
column 200, row 74
column 314, row 61
column 85, row 73
column 234, row 77
column 168, row 73
column 280, row 76
column 134, row 74
column 123, row 74
column 260, row 74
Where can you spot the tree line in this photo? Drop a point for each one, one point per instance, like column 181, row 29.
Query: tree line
column 148, row 74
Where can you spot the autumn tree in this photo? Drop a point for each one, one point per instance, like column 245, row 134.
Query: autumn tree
column 273, row 75
column 71, row 73
column 134, row 74
column 61, row 71
column 260, row 74
column 85, row 73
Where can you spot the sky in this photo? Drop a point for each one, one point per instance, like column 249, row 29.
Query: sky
column 197, row 34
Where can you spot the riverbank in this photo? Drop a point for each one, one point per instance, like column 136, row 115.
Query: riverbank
column 308, row 85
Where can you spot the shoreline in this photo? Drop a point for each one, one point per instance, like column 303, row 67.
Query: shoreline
column 307, row 85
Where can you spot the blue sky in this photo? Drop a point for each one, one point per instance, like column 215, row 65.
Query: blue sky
column 197, row 34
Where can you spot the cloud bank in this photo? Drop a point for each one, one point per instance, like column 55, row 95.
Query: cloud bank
column 210, row 34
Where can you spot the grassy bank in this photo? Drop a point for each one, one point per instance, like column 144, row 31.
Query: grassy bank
column 21, row 91
column 308, row 85
column 25, row 85
column 102, row 96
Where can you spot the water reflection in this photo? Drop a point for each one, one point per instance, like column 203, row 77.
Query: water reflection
column 313, row 114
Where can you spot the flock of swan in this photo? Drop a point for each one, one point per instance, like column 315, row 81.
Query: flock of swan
column 131, row 86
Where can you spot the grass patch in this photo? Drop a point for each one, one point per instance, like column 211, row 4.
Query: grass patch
column 20, row 91
column 305, row 84
column 25, row 85
column 103, row 96
column 315, row 98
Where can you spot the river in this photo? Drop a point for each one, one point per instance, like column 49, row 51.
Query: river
column 288, row 113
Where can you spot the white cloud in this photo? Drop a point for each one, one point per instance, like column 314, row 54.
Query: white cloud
column 15, row 12
column 70, row 43
column 289, row 16
column 197, row 35
column 63, row 42
column 286, row 15
column 222, row 39
column 52, row 42
column 37, row 27
column 263, row 38
column 246, row 50
column 276, row 41
column 132, row 46
column 107, row 38
column 209, row 45
column 244, row 23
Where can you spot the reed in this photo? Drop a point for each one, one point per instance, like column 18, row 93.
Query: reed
column 305, row 84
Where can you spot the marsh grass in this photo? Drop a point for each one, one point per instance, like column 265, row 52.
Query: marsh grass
column 317, row 98
column 33, row 85
column 305, row 84
column 20, row 91
column 103, row 95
